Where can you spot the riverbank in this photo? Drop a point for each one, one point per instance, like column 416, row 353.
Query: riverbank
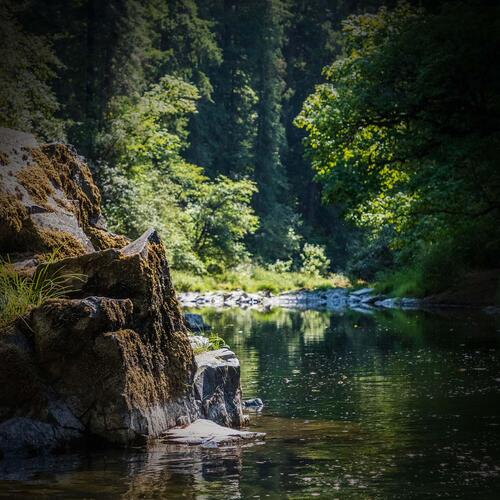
column 256, row 286
column 363, row 300
column 254, row 278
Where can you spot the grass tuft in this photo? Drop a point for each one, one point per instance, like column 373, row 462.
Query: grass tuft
column 215, row 343
column 19, row 294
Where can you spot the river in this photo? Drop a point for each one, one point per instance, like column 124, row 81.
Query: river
column 386, row 405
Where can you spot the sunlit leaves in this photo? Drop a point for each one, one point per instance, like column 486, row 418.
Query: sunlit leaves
column 402, row 133
column 148, row 183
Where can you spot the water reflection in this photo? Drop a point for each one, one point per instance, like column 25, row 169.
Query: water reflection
column 390, row 405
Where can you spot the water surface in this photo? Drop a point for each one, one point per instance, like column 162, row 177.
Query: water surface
column 388, row 405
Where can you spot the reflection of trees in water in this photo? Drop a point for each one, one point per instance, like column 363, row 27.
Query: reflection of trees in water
column 390, row 371
column 161, row 471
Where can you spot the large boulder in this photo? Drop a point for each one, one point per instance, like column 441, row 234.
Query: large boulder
column 112, row 360
column 217, row 385
column 48, row 200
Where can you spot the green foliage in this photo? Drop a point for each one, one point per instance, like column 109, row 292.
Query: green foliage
column 369, row 253
column 27, row 67
column 222, row 217
column 404, row 131
column 402, row 136
column 19, row 294
column 214, row 344
column 433, row 271
column 281, row 266
column 148, row 183
column 185, row 44
column 255, row 279
column 314, row 260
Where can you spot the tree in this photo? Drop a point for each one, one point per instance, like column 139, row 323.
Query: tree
column 404, row 132
column 148, row 183
column 28, row 66
column 222, row 217
column 184, row 45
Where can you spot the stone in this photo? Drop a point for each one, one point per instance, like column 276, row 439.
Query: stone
column 253, row 403
column 195, row 322
column 113, row 360
column 217, row 387
column 209, row 434
column 362, row 291
column 48, row 200
column 389, row 303
column 23, row 436
column 182, row 421
column 121, row 367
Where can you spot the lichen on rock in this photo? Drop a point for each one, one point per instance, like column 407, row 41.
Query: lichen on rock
column 46, row 190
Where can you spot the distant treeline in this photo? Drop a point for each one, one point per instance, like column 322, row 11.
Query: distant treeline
column 187, row 111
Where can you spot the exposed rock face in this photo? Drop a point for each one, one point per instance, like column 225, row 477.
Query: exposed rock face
column 217, row 387
column 113, row 360
column 48, row 200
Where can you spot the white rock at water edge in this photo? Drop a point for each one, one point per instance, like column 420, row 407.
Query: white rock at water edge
column 209, row 434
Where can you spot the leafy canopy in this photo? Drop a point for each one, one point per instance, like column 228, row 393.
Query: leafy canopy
column 404, row 133
column 148, row 183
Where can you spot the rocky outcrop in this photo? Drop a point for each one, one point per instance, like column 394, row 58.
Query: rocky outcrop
column 48, row 200
column 112, row 361
column 217, row 386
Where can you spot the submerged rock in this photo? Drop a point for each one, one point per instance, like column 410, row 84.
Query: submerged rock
column 253, row 403
column 195, row 323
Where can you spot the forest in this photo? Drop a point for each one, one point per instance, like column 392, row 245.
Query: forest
column 289, row 138
column 250, row 249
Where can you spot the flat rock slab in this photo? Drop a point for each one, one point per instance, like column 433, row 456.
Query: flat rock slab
column 209, row 434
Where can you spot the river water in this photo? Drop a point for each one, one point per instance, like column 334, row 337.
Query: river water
column 388, row 405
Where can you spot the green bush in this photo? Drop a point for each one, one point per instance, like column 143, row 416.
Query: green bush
column 314, row 260
column 281, row 266
column 435, row 269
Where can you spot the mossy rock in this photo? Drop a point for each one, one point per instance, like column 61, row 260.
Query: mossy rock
column 48, row 200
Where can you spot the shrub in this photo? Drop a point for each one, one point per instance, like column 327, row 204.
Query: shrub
column 255, row 279
column 314, row 260
column 281, row 266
